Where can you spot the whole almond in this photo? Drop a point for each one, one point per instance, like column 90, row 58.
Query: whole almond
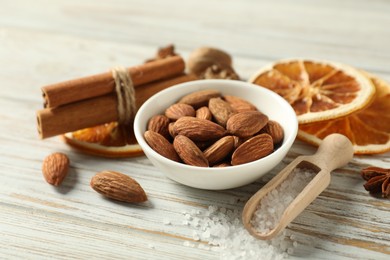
column 189, row 152
column 198, row 129
column 171, row 130
column 200, row 98
column 253, row 149
column 239, row 104
column 204, row 113
column 246, row 124
column 275, row 130
column 118, row 186
column 55, row 168
column 221, row 110
column 218, row 151
column 176, row 111
column 237, row 141
column 159, row 124
column 161, row 145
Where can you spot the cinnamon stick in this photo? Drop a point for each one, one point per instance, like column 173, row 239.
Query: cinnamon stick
column 98, row 85
column 95, row 111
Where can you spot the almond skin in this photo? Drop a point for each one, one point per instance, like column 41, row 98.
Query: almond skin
column 275, row 130
column 246, row 124
column 220, row 110
column 218, row 151
column 55, row 168
column 118, row 186
column 189, row 152
column 200, row 98
column 161, row 145
column 204, row 113
column 176, row 111
column 198, row 129
column 239, row 105
column 171, row 130
column 253, row 149
column 159, row 124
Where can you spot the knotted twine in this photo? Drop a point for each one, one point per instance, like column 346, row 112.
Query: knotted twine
column 125, row 92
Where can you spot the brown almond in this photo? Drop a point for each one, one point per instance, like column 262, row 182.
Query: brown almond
column 189, row 152
column 275, row 130
column 176, row 111
column 237, row 141
column 245, row 124
column 159, row 124
column 118, row 186
column 253, row 149
column 239, row 104
column 161, row 145
column 55, row 168
column 220, row 110
column 218, row 151
column 198, row 129
column 222, row 164
column 171, row 130
column 204, row 113
column 200, row 98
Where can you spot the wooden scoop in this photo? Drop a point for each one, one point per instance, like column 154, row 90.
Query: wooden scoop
column 335, row 151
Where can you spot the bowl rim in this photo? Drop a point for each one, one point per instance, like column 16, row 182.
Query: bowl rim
column 287, row 143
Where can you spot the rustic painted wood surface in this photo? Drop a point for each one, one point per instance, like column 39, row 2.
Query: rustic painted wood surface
column 44, row 41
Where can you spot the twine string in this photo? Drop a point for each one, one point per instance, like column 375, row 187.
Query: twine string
column 125, row 92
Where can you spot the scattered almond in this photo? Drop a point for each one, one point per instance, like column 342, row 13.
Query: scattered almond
column 253, row 149
column 55, row 168
column 118, row 186
column 189, row 152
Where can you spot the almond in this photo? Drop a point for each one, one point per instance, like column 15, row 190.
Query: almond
column 221, row 110
column 245, row 124
column 253, row 149
column 189, row 152
column 55, row 168
column 176, row 111
column 161, row 145
column 171, row 130
column 218, row 151
column 222, row 164
column 275, row 130
column 159, row 124
column 198, row 129
column 199, row 98
column 118, row 186
column 238, row 104
column 204, row 113
column 237, row 141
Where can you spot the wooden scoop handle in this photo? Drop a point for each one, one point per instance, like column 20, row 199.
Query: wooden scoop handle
column 334, row 152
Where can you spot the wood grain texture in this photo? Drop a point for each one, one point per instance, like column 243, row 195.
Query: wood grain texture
column 53, row 41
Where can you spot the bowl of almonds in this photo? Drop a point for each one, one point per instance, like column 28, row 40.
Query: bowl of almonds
column 215, row 134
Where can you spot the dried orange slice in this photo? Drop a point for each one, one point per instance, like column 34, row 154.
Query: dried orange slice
column 108, row 140
column 368, row 129
column 317, row 90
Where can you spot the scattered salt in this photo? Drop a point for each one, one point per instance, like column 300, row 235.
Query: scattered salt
column 166, row 221
column 225, row 233
column 272, row 206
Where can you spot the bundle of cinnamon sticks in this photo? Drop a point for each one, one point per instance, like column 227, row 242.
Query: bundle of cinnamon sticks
column 91, row 101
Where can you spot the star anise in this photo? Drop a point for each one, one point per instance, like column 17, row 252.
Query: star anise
column 378, row 180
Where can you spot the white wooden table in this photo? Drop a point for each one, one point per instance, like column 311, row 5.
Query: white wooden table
column 43, row 42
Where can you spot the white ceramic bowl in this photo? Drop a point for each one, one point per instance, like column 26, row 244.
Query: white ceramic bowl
column 268, row 102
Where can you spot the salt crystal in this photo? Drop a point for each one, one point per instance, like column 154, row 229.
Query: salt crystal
column 272, row 206
column 166, row 221
column 151, row 246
